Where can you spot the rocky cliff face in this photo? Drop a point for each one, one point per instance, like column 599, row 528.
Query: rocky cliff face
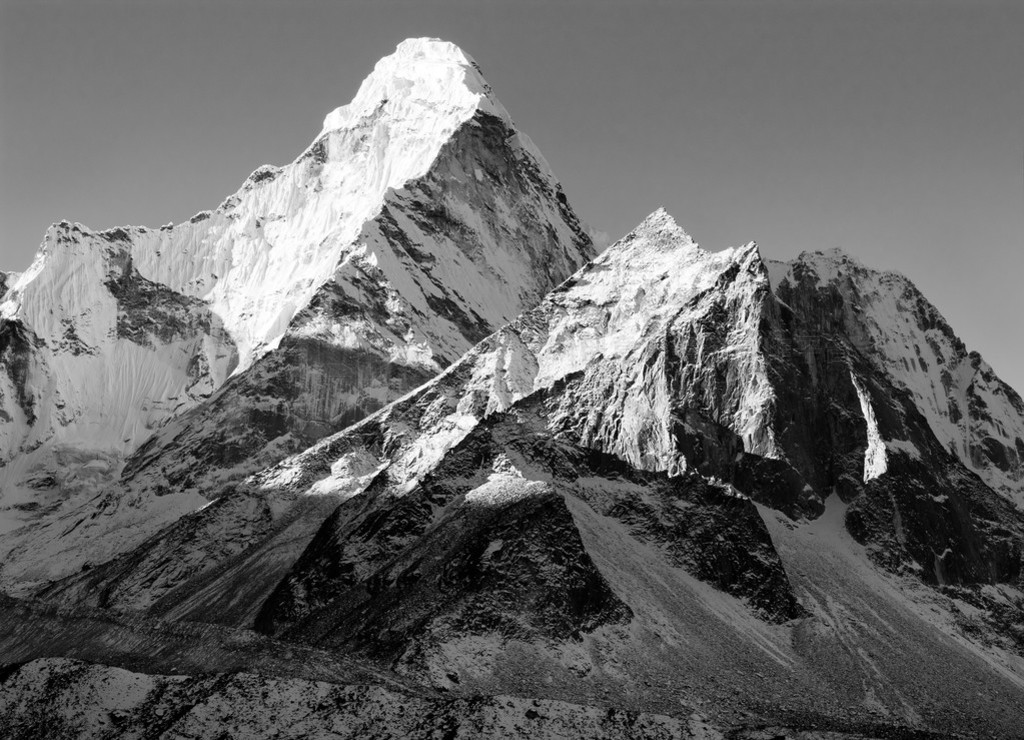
column 418, row 222
column 972, row 413
column 842, row 364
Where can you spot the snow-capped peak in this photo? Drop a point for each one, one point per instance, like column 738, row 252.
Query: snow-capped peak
column 421, row 74
column 260, row 256
column 418, row 222
column 611, row 329
column 836, row 264
column 661, row 224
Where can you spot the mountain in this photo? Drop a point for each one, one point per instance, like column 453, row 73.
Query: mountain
column 634, row 290
column 148, row 370
column 482, row 481
column 680, row 474
column 973, row 414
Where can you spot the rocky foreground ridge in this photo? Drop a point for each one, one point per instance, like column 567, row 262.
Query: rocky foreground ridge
column 679, row 493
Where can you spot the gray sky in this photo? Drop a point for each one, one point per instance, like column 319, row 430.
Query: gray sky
column 894, row 130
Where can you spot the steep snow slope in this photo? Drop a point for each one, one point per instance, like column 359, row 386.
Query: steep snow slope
column 96, row 356
column 418, row 222
column 974, row 414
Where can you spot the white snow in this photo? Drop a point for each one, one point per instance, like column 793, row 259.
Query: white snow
column 501, row 489
column 875, row 463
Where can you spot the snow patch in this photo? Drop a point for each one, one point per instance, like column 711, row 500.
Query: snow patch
column 874, row 457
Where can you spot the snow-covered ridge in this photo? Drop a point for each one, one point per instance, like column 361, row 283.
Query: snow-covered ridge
column 261, row 255
column 608, row 323
column 282, row 235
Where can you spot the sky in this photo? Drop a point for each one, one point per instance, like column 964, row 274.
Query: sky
column 893, row 130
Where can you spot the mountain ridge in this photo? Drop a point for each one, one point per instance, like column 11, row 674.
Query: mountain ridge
column 388, row 271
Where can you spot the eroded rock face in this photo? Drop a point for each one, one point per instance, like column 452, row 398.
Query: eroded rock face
column 972, row 413
column 150, row 314
column 16, row 343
